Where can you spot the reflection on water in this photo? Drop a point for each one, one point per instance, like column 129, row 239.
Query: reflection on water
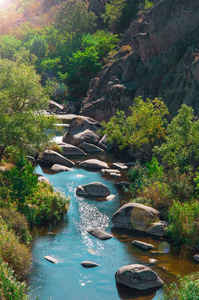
column 70, row 244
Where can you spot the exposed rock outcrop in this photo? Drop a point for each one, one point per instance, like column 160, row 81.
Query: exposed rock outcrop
column 164, row 62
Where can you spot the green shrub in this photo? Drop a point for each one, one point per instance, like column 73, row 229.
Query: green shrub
column 45, row 205
column 187, row 288
column 12, row 252
column 10, row 288
column 17, row 222
column 184, row 223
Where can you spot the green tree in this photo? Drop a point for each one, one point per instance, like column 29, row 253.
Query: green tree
column 22, row 122
column 142, row 129
column 73, row 18
column 9, row 46
column 181, row 147
column 119, row 13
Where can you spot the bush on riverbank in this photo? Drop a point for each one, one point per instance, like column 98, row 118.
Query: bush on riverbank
column 184, row 223
column 37, row 201
column 10, row 288
column 15, row 254
column 187, row 288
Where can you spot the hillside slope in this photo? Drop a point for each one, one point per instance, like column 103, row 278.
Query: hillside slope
column 164, row 62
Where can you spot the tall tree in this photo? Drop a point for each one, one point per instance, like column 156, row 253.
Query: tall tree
column 22, row 100
column 142, row 129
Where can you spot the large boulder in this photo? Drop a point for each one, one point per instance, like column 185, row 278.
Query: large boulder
column 52, row 157
column 138, row 277
column 135, row 216
column 94, row 164
column 82, row 129
column 96, row 189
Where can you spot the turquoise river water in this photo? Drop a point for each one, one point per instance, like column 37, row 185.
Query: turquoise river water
column 70, row 244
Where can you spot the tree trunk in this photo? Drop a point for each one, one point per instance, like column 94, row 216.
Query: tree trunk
column 2, row 151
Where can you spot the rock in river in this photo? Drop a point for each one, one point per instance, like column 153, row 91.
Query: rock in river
column 51, row 259
column 138, row 277
column 99, row 233
column 82, row 129
column 94, row 164
column 135, row 216
column 68, row 149
column 142, row 245
column 96, row 189
column 89, row 264
column 60, row 168
column 50, row 156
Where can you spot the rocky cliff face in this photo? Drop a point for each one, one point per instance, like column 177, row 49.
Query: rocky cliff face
column 164, row 62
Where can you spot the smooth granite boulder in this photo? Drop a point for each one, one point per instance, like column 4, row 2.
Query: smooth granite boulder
column 119, row 166
column 82, row 129
column 50, row 156
column 142, row 245
column 90, row 148
column 68, row 149
column 94, row 164
column 59, row 168
column 135, row 216
column 96, row 189
column 99, row 233
column 158, row 228
column 138, row 277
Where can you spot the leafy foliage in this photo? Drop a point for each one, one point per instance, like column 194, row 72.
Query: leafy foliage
column 184, row 223
column 187, row 288
column 73, row 18
column 10, row 288
column 146, row 125
column 181, row 147
column 22, row 98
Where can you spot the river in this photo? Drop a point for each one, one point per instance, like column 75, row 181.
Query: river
column 69, row 242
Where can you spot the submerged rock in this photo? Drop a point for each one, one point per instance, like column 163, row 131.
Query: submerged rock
column 138, row 277
column 96, row 189
column 99, row 233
